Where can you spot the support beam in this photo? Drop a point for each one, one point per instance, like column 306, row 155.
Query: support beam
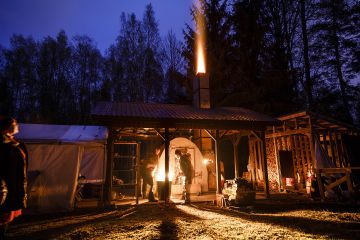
column 235, row 142
column 312, row 149
column 252, row 163
column 137, row 174
column 256, row 135
column 210, row 135
column 332, row 150
column 308, row 153
column 260, row 156
column 264, row 163
column 167, row 161
column 348, row 181
column 217, row 159
column 109, row 163
column 303, row 158
column 278, row 166
column 159, row 134
column 256, row 160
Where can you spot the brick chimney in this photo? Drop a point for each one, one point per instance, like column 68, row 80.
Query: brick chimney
column 201, row 91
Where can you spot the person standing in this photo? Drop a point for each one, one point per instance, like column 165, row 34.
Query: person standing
column 147, row 171
column 187, row 171
column 186, row 166
column 13, row 173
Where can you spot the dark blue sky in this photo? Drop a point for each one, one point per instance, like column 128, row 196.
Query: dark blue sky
column 98, row 19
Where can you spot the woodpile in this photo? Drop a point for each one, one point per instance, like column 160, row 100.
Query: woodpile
column 238, row 192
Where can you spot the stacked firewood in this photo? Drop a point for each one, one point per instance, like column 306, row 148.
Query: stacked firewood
column 238, row 192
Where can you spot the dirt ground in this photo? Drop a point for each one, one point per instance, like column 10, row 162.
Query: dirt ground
column 284, row 218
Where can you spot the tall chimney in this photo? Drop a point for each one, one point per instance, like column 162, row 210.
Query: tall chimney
column 201, row 99
column 201, row 91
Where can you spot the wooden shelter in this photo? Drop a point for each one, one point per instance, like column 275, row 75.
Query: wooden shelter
column 166, row 121
column 308, row 144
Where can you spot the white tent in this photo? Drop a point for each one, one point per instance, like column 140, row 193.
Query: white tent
column 59, row 153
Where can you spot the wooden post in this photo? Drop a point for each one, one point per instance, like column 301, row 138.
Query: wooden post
column 235, row 142
column 291, row 139
column 331, row 142
column 308, row 152
column 325, row 143
column 109, row 167
column 278, row 167
column 338, row 150
column 348, row 181
column 167, row 160
column 264, row 163
column 303, row 160
column 255, row 162
column 260, row 155
column 344, row 152
column 137, row 173
column 318, row 173
column 217, row 159
column 252, row 159
column 297, row 161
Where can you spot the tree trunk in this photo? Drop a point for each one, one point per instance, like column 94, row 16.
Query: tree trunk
column 308, row 82
column 340, row 77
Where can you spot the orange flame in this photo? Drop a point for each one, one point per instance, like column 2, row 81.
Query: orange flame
column 200, row 59
column 200, row 41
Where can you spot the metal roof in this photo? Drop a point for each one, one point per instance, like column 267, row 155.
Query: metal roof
column 179, row 116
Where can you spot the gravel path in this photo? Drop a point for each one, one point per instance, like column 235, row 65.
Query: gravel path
column 196, row 221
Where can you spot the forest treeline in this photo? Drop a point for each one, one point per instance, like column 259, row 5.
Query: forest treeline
column 272, row 56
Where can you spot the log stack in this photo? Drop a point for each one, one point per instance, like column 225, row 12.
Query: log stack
column 238, row 192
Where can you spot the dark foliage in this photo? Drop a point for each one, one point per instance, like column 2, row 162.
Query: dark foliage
column 273, row 56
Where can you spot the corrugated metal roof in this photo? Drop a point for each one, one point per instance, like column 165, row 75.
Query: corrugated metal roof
column 173, row 114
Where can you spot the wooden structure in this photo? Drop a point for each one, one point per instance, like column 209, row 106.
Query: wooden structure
column 167, row 121
column 315, row 145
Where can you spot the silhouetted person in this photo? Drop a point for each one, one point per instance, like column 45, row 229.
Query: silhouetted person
column 13, row 166
column 148, row 167
column 185, row 165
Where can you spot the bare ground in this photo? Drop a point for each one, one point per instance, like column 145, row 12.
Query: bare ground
column 266, row 219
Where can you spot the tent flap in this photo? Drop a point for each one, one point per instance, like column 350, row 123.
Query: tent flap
column 58, row 166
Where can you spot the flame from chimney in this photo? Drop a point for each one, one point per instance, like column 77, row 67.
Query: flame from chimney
column 200, row 40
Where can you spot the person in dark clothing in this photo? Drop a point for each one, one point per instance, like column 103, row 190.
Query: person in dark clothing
column 13, row 168
column 185, row 165
column 147, row 170
column 183, row 160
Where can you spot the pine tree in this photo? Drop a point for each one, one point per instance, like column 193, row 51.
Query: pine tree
column 277, row 79
column 130, row 44
column 308, row 86
column 334, row 30
column 152, row 79
column 5, row 90
column 175, row 67
column 87, row 62
column 56, row 98
column 113, row 79
column 20, row 77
